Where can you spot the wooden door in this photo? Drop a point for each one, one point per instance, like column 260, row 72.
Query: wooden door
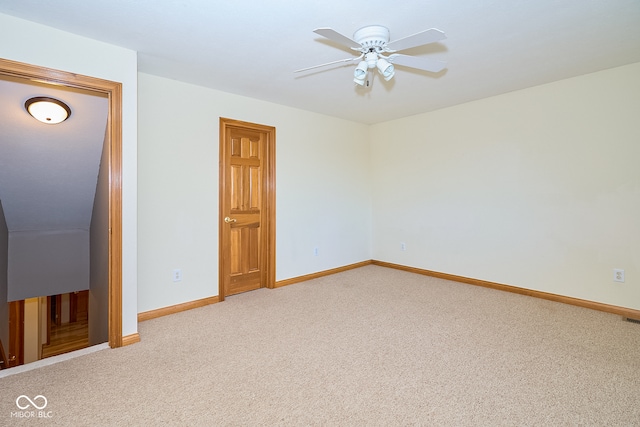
column 57, row 307
column 247, row 207
column 82, row 305
column 16, row 333
column 78, row 306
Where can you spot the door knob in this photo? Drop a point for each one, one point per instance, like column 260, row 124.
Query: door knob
column 229, row 220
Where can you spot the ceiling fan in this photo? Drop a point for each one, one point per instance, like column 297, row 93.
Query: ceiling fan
column 373, row 42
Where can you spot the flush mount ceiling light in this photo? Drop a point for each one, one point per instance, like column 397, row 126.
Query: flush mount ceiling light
column 47, row 110
column 373, row 44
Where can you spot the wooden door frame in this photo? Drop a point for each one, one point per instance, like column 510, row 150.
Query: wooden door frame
column 268, row 221
column 113, row 91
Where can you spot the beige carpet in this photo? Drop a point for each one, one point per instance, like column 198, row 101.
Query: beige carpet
column 371, row 346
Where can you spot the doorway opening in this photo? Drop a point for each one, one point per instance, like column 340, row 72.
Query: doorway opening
column 66, row 323
column 111, row 226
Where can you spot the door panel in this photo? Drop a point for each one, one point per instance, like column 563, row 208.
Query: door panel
column 245, row 162
column 247, row 236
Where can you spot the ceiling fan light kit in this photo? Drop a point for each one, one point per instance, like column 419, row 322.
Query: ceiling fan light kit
column 387, row 70
column 360, row 74
column 373, row 42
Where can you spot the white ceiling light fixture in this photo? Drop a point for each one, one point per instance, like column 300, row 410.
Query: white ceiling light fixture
column 372, row 41
column 360, row 74
column 47, row 110
column 386, row 69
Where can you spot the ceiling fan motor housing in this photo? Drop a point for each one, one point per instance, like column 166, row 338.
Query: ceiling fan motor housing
column 373, row 37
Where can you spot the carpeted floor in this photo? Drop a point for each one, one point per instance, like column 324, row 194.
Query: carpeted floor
column 368, row 347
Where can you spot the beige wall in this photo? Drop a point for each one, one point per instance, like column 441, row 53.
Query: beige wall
column 538, row 188
column 32, row 343
column 322, row 188
column 71, row 53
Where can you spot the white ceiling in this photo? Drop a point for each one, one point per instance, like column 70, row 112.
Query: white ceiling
column 252, row 47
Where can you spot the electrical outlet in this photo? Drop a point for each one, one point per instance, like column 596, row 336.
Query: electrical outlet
column 618, row 275
column 403, row 246
column 177, row 275
column 316, row 252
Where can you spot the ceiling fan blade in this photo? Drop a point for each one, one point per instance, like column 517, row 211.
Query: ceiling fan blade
column 424, row 37
column 328, row 63
column 332, row 34
column 426, row 64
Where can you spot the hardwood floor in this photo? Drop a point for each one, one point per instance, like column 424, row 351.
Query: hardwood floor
column 67, row 337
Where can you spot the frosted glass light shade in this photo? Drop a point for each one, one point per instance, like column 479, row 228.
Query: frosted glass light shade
column 386, row 69
column 47, row 110
column 360, row 73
